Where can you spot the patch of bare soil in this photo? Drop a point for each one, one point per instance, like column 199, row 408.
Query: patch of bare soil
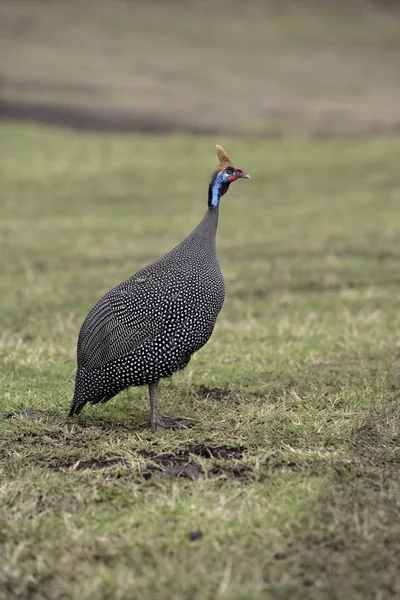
column 183, row 463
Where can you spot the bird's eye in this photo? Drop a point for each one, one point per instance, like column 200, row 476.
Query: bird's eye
column 229, row 170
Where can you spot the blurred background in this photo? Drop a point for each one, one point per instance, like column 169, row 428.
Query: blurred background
column 260, row 68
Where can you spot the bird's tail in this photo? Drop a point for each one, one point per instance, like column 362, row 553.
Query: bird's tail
column 80, row 397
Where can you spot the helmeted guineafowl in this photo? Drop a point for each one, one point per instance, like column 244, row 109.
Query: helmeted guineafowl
column 149, row 326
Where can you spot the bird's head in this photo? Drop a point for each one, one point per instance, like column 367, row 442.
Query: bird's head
column 225, row 174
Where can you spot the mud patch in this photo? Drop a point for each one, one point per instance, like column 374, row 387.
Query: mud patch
column 183, row 463
column 198, row 461
column 203, row 451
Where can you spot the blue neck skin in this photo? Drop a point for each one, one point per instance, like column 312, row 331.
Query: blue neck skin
column 220, row 179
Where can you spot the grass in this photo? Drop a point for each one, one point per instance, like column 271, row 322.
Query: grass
column 269, row 67
column 288, row 485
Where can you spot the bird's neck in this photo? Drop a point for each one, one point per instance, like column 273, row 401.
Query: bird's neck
column 207, row 228
column 211, row 216
column 210, row 221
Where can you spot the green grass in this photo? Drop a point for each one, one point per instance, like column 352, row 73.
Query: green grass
column 292, row 470
column 309, row 67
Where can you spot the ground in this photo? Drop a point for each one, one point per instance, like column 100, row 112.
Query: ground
column 288, row 484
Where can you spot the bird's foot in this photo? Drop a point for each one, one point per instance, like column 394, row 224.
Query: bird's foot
column 171, row 423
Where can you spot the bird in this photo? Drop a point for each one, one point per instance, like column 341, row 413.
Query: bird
column 149, row 326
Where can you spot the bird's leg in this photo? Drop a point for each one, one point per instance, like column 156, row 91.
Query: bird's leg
column 157, row 421
column 154, row 414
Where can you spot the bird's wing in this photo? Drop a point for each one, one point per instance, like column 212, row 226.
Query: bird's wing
column 124, row 319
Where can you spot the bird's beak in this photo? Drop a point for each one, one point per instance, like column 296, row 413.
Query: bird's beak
column 244, row 175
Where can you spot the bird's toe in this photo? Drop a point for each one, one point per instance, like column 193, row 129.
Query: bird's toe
column 171, row 423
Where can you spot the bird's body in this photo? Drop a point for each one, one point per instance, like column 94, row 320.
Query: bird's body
column 149, row 326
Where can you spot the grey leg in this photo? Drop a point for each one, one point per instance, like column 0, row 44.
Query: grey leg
column 154, row 415
column 157, row 421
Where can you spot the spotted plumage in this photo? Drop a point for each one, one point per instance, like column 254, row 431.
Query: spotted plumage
column 150, row 325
